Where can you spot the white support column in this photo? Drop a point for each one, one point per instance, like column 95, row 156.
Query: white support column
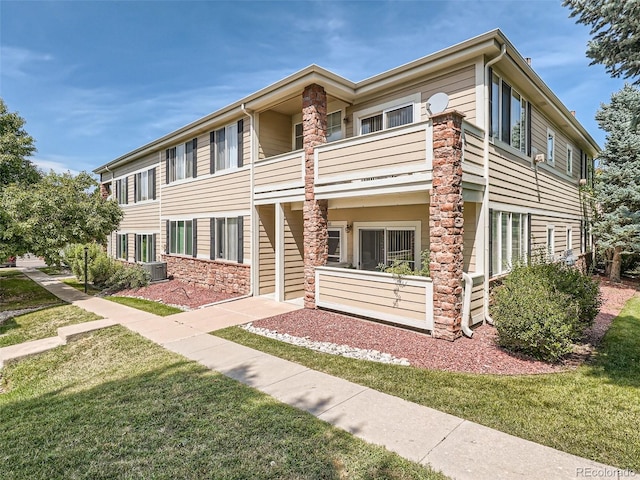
column 279, row 294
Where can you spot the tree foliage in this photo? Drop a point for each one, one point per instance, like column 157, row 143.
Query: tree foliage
column 15, row 146
column 617, row 190
column 615, row 26
column 44, row 217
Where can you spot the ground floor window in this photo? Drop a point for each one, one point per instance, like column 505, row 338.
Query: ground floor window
column 145, row 248
column 509, row 240
column 227, row 238
column 121, row 246
column 380, row 245
column 181, row 236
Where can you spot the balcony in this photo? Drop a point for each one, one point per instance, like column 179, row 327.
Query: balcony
column 279, row 176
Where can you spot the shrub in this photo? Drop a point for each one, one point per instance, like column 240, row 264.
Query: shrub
column 127, row 276
column 542, row 308
column 402, row 268
column 73, row 257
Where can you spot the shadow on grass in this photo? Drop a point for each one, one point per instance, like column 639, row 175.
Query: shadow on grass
column 11, row 323
column 178, row 420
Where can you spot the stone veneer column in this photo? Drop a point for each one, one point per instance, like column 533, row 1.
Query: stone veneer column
column 314, row 131
column 446, row 224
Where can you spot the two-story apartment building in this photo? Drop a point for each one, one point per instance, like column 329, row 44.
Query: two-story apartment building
column 304, row 188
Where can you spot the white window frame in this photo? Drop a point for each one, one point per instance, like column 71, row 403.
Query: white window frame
column 340, row 227
column 144, row 185
column 497, row 241
column 295, row 137
column 122, row 241
column 340, row 125
column 122, row 195
column 416, row 226
column 524, row 147
column 551, row 147
column 180, row 166
column 569, row 238
column 551, row 241
column 225, row 254
column 230, row 161
column 569, row 160
column 414, row 99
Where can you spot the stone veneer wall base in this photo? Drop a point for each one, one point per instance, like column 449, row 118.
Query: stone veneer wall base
column 232, row 278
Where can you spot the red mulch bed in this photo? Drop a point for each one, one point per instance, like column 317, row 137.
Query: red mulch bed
column 479, row 354
column 178, row 293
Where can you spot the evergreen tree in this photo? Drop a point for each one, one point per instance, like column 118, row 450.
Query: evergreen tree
column 15, row 146
column 615, row 26
column 617, row 189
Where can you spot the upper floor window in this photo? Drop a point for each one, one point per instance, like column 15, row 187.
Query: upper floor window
column 298, row 138
column 144, row 185
column 551, row 147
column 569, row 159
column 122, row 191
column 181, row 161
column 391, row 114
column 334, row 126
column 510, row 119
column 227, row 147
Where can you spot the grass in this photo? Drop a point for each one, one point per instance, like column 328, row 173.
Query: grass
column 592, row 412
column 41, row 324
column 72, row 282
column 113, row 405
column 17, row 291
column 54, row 270
column 149, row 306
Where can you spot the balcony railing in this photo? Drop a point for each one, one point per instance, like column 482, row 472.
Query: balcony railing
column 282, row 172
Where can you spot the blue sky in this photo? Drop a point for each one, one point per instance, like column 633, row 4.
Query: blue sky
column 97, row 79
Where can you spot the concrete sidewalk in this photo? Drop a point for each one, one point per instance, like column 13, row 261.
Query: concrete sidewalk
column 459, row 448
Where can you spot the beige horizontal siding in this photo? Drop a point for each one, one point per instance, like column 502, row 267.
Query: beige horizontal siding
column 149, row 161
column 283, row 172
column 293, row 253
column 402, row 150
column 473, row 150
column 470, row 232
column 513, row 181
column 276, row 134
column 477, row 302
column 142, row 218
column 539, row 224
column 266, row 249
column 390, row 298
column 221, row 193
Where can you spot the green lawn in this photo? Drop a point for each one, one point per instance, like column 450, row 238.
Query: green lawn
column 593, row 412
column 41, row 324
column 17, row 291
column 113, row 405
column 72, row 282
column 150, row 306
column 55, row 270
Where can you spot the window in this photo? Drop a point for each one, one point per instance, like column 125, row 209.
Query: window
column 144, row 185
column 334, row 126
column 551, row 146
column 510, row 119
column 335, row 245
column 227, row 239
column 569, row 159
column 551, row 244
column 298, row 138
column 226, row 147
column 181, row 161
column 387, row 119
column 122, row 242
column 508, row 240
column 181, row 237
column 145, row 248
column 122, row 194
column 383, row 245
column 569, row 239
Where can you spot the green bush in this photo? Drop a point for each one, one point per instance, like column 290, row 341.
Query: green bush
column 103, row 271
column 402, row 268
column 542, row 308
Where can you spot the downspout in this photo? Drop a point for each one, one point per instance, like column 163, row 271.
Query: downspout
column 251, row 144
column 466, row 305
column 485, row 200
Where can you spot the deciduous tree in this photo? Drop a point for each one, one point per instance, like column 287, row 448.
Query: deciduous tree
column 15, row 146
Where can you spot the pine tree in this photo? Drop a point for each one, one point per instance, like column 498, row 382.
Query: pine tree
column 615, row 27
column 617, row 189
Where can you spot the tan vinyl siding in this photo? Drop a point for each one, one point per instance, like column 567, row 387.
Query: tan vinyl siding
column 220, row 193
column 539, row 126
column 285, row 172
column 148, row 161
column 473, row 149
column 477, row 302
column 246, row 236
column 276, row 133
column 266, row 218
column 203, row 235
column 293, row 254
column 406, row 149
column 515, row 182
column 203, row 155
column 470, row 231
column 539, row 224
column 142, row 218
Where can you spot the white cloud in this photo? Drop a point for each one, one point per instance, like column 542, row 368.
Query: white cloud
column 57, row 163
column 16, row 62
